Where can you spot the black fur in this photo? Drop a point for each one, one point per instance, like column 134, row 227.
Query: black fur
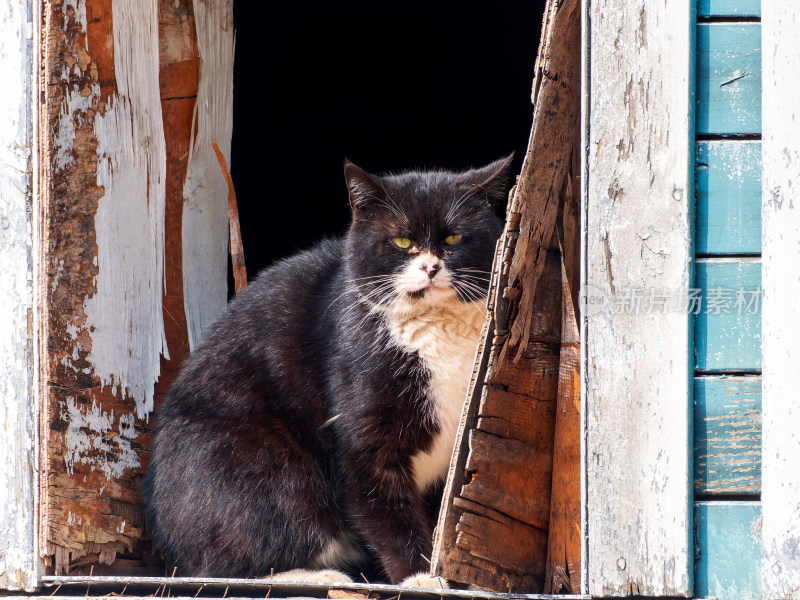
column 248, row 471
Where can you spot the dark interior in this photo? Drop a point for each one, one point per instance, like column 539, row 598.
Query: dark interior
column 389, row 85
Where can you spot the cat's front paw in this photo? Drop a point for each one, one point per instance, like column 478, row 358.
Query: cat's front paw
column 425, row 580
column 307, row 575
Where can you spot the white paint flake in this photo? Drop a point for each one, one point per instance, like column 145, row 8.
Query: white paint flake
column 205, row 210
column 126, row 310
column 91, row 440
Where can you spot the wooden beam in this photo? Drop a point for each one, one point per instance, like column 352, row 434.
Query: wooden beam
column 638, row 214
column 19, row 224
column 780, row 487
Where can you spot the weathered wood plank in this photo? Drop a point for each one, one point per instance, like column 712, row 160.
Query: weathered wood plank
column 728, row 325
column 727, row 435
column 728, row 197
column 781, row 281
column 638, row 211
column 729, row 550
column 728, row 78
column 19, row 228
column 729, row 8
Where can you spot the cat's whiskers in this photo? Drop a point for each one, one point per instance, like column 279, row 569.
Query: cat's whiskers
column 391, row 205
column 456, row 205
column 355, row 289
column 469, row 290
column 400, row 213
column 471, row 270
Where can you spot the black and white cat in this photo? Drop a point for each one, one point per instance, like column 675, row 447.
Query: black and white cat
column 308, row 429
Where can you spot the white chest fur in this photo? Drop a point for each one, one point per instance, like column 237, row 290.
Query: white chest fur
column 446, row 337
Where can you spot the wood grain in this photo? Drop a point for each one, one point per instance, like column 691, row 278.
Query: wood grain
column 780, row 486
column 728, row 326
column 731, row 571
column 563, row 574
column 727, row 435
column 728, row 197
column 728, row 78
column 638, row 227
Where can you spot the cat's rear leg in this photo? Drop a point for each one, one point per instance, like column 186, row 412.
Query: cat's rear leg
column 238, row 499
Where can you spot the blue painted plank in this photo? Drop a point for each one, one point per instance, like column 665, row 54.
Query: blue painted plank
column 728, row 536
column 727, row 332
column 729, row 8
column 728, row 197
column 728, row 78
column 727, row 435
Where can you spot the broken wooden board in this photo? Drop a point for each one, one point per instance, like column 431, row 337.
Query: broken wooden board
column 501, row 473
column 119, row 107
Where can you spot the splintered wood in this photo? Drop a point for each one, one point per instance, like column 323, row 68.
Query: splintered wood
column 500, row 527
column 237, row 250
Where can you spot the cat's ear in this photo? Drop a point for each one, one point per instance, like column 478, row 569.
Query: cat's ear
column 491, row 182
column 362, row 188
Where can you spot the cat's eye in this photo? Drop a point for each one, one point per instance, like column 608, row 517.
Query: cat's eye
column 451, row 240
column 402, row 242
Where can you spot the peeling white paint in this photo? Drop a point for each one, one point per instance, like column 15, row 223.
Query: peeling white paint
column 205, row 212
column 125, row 314
column 780, row 275
column 17, row 336
column 73, row 107
column 637, row 228
column 91, row 440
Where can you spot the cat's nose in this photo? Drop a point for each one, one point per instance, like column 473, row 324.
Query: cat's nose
column 431, row 268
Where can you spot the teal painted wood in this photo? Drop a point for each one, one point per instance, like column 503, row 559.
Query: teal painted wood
column 728, row 78
column 727, row 330
column 727, row 435
column 728, row 537
column 728, row 197
column 729, row 8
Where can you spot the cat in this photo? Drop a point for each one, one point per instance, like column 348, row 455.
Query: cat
column 312, row 425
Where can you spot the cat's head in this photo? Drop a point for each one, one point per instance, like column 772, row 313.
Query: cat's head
column 424, row 237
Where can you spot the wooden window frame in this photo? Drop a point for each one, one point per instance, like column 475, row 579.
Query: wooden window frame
column 19, row 318
column 636, row 539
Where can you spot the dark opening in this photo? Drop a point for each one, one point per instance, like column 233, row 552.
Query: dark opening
column 389, row 85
